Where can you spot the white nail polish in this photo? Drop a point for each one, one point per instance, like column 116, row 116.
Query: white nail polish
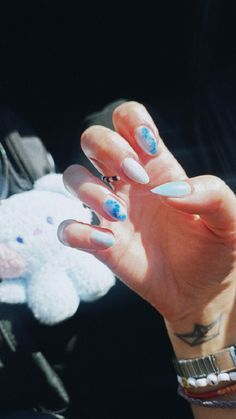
column 133, row 170
column 104, row 239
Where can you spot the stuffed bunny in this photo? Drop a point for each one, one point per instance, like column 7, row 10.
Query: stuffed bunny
column 35, row 268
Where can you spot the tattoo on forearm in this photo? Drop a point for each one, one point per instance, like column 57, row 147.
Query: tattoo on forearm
column 201, row 333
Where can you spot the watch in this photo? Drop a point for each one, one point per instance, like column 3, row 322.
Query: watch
column 217, row 363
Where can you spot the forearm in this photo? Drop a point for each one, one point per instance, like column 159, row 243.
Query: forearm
column 207, row 413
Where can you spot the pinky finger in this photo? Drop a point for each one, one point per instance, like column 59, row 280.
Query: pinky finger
column 84, row 236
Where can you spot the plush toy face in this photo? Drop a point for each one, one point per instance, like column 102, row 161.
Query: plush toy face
column 34, row 266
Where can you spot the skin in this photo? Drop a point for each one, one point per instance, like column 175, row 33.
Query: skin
column 179, row 254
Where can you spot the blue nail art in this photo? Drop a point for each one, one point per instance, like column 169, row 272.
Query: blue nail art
column 115, row 209
column 146, row 140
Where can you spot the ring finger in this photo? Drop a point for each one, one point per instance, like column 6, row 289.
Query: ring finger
column 112, row 155
column 90, row 190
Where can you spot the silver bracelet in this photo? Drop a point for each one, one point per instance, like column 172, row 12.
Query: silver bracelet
column 222, row 361
column 223, row 404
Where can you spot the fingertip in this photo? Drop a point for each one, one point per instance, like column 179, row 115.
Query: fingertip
column 84, row 236
column 69, row 177
column 61, row 235
column 73, row 176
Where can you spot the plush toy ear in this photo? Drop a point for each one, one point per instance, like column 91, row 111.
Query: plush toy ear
column 52, row 182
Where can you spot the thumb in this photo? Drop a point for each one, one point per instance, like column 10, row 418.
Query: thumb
column 207, row 196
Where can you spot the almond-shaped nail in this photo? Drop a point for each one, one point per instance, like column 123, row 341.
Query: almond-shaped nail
column 71, row 177
column 146, row 140
column 102, row 238
column 133, row 170
column 61, row 231
column 173, row 189
column 114, row 208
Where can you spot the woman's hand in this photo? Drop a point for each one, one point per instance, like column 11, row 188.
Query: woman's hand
column 177, row 251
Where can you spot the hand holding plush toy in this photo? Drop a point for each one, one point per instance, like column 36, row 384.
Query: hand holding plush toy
column 35, row 268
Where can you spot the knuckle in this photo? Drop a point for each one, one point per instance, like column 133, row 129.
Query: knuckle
column 218, row 190
column 216, row 183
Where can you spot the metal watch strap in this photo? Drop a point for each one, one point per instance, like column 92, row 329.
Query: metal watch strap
column 221, row 361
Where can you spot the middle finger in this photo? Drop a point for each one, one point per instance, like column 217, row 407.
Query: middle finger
column 112, row 155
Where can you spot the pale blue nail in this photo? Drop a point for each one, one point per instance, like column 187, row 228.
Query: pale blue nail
column 115, row 209
column 146, row 140
column 173, row 189
column 99, row 237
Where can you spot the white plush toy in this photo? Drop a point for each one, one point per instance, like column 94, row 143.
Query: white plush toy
column 35, row 268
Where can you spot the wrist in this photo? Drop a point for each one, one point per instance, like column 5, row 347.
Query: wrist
column 204, row 345
column 204, row 332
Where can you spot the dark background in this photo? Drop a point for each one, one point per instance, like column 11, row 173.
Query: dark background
column 61, row 61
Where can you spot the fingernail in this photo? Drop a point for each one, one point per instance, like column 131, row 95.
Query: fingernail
column 71, row 178
column 115, row 209
column 104, row 239
column 134, row 171
column 146, row 140
column 61, row 231
column 173, row 189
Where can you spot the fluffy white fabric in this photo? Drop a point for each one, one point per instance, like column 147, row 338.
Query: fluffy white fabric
column 56, row 277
